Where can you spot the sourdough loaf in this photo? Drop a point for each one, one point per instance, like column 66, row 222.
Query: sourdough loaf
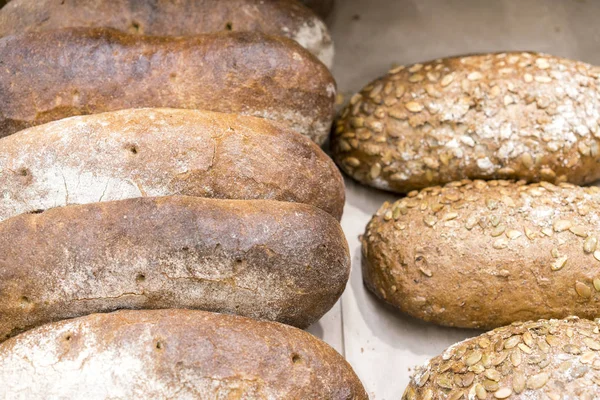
column 485, row 254
column 172, row 354
column 174, row 18
column 56, row 74
column 494, row 116
column 556, row 359
column 159, row 152
column 271, row 260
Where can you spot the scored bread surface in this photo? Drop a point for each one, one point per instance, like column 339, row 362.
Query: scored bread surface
column 170, row 354
column 159, row 152
column 173, row 18
column 494, row 116
column 479, row 254
column 56, row 74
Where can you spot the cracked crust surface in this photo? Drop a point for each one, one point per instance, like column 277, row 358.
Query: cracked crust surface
column 263, row 259
column 478, row 254
column 171, row 354
column 173, row 18
column 159, row 152
column 493, row 116
column 541, row 360
column 56, row 74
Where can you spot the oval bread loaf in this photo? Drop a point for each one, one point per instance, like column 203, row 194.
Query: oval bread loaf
column 170, row 18
column 258, row 258
column 173, row 354
column 494, row 116
column 485, row 254
column 556, row 359
column 159, row 152
column 57, row 74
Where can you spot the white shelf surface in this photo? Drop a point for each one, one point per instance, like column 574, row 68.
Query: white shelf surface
column 371, row 36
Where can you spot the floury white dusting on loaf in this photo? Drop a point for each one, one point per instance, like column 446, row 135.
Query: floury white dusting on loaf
column 512, row 115
column 160, row 152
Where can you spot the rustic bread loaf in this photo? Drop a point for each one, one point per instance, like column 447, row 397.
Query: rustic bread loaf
column 51, row 75
column 173, row 354
column 159, row 152
column 494, row 116
column 485, row 254
column 321, row 7
column 273, row 260
column 173, row 18
column 556, row 359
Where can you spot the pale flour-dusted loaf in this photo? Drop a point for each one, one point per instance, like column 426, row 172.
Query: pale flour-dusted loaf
column 493, row 116
column 485, row 254
column 56, row 74
column 172, row 354
column 537, row 360
column 273, row 260
column 159, row 152
column 174, row 18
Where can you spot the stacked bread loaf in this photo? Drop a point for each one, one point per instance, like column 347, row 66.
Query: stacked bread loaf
column 136, row 176
column 494, row 229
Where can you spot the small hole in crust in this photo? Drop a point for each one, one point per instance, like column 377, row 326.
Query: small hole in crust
column 68, row 337
column 140, row 278
column 296, row 359
column 185, row 248
column 229, row 26
column 23, row 172
column 39, row 211
column 135, row 26
column 133, row 149
column 159, row 345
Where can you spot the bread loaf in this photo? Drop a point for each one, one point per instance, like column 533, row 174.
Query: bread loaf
column 56, row 74
column 485, row 254
column 556, row 359
column 173, row 354
column 494, row 116
column 173, row 18
column 159, row 152
column 271, row 260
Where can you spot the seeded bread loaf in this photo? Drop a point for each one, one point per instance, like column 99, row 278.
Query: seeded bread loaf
column 556, row 359
column 485, row 254
column 494, row 116
column 173, row 354
column 56, row 74
column 264, row 259
column 173, row 18
column 159, row 152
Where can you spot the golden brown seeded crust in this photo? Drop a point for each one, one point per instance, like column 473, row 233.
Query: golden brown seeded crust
column 495, row 116
column 171, row 354
column 159, row 152
column 173, row 18
column 555, row 359
column 485, row 254
column 263, row 259
column 51, row 75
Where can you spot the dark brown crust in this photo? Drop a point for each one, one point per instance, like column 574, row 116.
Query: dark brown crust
column 555, row 359
column 172, row 354
column 321, row 7
column 263, row 259
column 490, row 116
column 172, row 18
column 160, row 152
column 51, row 75
column 485, row 254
